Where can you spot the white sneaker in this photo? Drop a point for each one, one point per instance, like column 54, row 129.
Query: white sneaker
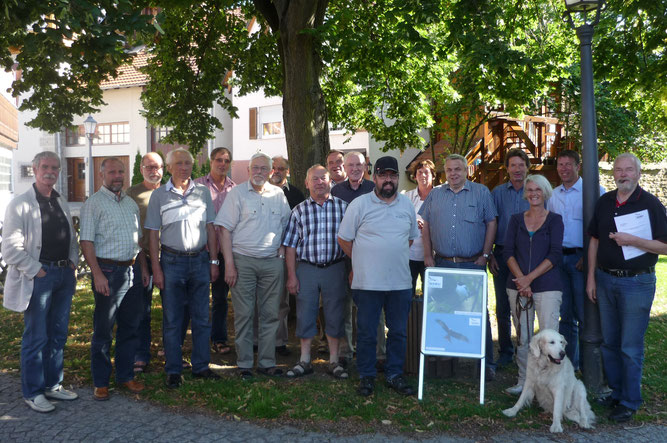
column 60, row 393
column 515, row 390
column 40, row 404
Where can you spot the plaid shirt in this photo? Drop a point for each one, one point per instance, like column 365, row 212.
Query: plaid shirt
column 313, row 230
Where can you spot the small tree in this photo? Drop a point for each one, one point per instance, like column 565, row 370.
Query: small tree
column 136, row 172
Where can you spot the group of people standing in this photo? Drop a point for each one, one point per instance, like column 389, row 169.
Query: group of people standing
column 352, row 241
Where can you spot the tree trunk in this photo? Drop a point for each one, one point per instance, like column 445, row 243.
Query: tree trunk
column 304, row 107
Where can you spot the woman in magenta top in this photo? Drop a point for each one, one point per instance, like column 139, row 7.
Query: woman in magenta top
column 533, row 249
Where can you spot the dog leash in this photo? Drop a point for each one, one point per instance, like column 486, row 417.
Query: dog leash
column 519, row 309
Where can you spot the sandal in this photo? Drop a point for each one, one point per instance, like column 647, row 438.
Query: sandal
column 337, row 371
column 140, row 367
column 271, row 372
column 221, row 348
column 300, row 369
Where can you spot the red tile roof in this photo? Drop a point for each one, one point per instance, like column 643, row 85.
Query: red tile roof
column 129, row 75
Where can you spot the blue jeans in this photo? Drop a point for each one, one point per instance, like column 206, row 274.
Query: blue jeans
column 186, row 283
column 488, row 354
column 625, row 307
column 572, row 304
column 46, row 321
column 144, row 330
column 219, row 292
column 396, row 306
column 122, row 306
column 503, row 312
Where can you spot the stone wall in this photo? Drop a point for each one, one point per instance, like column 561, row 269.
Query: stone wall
column 653, row 179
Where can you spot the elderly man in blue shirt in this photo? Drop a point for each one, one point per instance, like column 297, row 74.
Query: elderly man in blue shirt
column 459, row 228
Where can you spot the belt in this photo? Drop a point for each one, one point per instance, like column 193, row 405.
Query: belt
column 57, row 263
column 181, row 253
column 627, row 272
column 107, row 261
column 322, row 265
column 570, row 251
column 458, row 259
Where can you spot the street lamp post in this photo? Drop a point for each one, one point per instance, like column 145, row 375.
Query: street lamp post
column 591, row 336
column 90, row 125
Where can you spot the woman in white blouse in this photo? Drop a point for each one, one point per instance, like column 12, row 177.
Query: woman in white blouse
column 423, row 173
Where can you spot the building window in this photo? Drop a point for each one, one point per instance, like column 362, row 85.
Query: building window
column 161, row 133
column 105, row 134
column 271, row 121
column 272, row 128
column 112, row 134
column 75, row 136
column 5, row 173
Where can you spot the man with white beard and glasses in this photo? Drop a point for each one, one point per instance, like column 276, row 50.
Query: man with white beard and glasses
column 252, row 220
column 377, row 231
column 621, row 280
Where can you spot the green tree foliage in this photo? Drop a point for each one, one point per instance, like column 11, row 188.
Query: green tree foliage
column 386, row 66
column 190, row 57
column 137, row 177
column 65, row 49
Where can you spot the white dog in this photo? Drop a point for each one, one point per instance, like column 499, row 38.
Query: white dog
column 550, row 378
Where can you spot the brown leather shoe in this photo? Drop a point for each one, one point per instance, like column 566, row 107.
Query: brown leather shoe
column 134, row 386
column 101, row 393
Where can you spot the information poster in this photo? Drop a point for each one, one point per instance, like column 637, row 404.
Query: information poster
column 454, row 312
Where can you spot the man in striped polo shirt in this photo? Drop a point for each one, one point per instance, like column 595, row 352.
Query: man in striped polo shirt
column 180, row 222
column 310, row 239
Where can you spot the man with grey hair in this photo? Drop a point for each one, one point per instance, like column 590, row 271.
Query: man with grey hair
column 459, row 229
column 40, row 249
column 621, row 279
column 354, row 186
column 109, row 239
column 180, row 222
column 252, row 221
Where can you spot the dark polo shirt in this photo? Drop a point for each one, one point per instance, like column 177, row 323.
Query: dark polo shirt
column 293, row 195
column 345, row 192
column 610, row 255
column 55, row 228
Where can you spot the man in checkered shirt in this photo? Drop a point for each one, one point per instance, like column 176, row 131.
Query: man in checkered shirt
column 315, row 266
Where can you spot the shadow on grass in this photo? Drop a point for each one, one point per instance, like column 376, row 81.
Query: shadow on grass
column 318, row 402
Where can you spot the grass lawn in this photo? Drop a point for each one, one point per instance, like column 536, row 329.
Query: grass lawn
column 319, row 403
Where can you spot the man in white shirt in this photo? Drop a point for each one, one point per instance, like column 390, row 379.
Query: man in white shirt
column 567, row 201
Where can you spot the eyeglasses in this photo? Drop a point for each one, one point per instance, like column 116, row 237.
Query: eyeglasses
column 152, row 168
column 262, row 169
column 388, row 175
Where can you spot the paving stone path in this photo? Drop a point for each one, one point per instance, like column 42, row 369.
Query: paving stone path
column 124, row 419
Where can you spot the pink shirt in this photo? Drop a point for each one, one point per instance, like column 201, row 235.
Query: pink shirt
column 217, row 194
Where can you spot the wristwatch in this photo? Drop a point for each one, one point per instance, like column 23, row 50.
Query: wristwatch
column 486, row 256
column 214, row 262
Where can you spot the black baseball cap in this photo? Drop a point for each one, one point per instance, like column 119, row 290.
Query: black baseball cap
column 386, row 163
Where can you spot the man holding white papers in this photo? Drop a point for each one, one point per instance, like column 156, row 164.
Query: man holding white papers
column 621, row 279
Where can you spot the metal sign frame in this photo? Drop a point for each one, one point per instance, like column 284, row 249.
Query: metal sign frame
column 454, row 317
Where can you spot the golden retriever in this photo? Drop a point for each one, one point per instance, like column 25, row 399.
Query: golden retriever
column 550, row 378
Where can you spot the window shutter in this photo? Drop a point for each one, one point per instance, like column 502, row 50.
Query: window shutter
column 253, row 124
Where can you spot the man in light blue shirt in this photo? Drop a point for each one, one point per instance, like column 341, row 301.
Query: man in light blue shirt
column 508, row 198
column 567, row 201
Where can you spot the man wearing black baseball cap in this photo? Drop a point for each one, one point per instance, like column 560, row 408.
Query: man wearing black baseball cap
column 377, row 231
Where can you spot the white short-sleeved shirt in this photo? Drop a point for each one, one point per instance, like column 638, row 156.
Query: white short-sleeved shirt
column 380, row 233
column 255, row 219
